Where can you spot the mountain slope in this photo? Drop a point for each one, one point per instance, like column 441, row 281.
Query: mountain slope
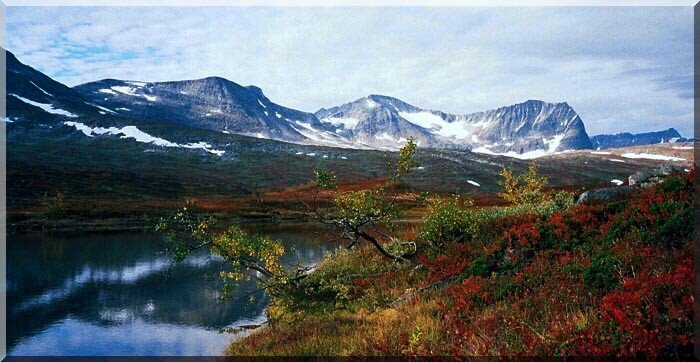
column 375, row 120
column 531, row 128
column 626, row 139
column 211, row 103
column 33, row 95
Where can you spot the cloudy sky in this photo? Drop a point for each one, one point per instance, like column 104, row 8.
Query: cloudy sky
column 622, row 69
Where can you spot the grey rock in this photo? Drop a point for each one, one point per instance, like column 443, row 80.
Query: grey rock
column 641, row 179
column 605, row 193
column 653, row 176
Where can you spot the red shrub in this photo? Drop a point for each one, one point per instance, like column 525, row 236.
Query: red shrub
column 524, row 235
column 444, row 266
column 650, row 315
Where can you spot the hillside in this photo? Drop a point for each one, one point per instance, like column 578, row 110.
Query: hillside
column 609, row 278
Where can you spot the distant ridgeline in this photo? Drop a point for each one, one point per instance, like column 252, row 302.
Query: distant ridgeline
column 626, row 139
column 175, row 114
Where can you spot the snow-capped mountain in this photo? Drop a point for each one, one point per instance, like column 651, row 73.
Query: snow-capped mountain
column 528, row 129
column 377, row 121
column 119, row 107
column 626, row 139
column 211, row 103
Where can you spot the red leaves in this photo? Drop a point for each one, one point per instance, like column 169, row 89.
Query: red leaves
column 444, row 266
column 534, row 300
column 647, row 317
column 523, row 235
column 468, row 294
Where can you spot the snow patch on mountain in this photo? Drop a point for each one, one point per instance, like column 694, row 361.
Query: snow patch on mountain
column 131, row 91
column 322, row 137
column 103, row 108
column 139, row 136
column 39, row 88
column 552, row 143
column 47, row 107
column 344, row 122
column 651, row 156
column 437, row 125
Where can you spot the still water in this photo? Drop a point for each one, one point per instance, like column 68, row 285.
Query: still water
column 118, row 294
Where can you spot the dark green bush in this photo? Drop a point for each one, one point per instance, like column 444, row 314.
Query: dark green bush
column 479, row 267
column 677, row 228
column 675, row 184
column 602, row 272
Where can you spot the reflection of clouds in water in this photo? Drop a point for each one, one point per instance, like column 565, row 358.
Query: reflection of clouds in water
column 115, row 315
column 124, row 275
column 311, row 256
column 149, row 308
column 92, row 308
column 76, row 337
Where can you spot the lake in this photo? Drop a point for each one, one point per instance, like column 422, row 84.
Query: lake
column 118, row 294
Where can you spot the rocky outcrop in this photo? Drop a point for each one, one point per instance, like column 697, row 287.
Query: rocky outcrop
column 642, row 179
column 605, row 193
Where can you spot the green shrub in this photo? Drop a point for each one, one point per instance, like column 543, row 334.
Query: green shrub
column 526, row 189
column 602, row 272
column 563, row 199
column 675, row 184
column 447, row 221
column 677, row 228
column 479, row 267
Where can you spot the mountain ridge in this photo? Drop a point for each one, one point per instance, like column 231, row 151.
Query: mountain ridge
column 528, row 129
column 625, row 139
column 530, row 126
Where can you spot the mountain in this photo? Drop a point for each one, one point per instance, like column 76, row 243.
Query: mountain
column 177, row 109
column 377, row 121
column 528, row 129
column 211, row 103
column 626, row 139
column 119, row 143
column 31, row 94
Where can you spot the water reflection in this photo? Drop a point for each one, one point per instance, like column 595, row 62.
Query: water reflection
column 117, row 294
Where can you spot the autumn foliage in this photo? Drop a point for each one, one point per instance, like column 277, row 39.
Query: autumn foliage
column 601, row 279
column 604, row 278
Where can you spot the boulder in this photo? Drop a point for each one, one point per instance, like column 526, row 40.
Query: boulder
column 604, row 193
column 642, row 179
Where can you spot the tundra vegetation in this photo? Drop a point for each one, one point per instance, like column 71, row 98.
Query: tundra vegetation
column 541, row 276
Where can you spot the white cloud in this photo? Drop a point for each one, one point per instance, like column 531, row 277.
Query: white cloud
column 622, row 69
